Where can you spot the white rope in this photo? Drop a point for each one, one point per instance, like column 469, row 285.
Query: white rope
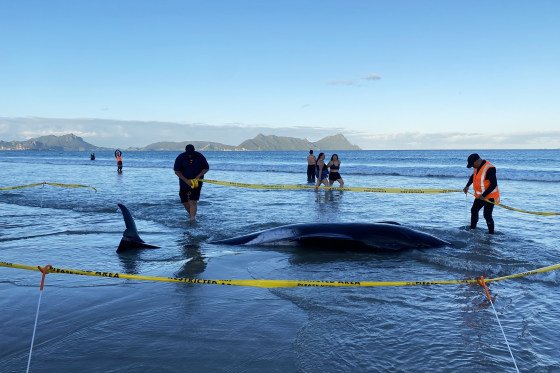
column 467, row 224
column 504, row 334
column 42, row 193
column 34, row 328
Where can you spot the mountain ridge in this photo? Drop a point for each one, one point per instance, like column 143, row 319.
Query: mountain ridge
column 71, row 142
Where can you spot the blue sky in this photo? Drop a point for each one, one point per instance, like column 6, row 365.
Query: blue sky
column 386, row 74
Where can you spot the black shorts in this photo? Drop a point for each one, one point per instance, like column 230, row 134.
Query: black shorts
column 311, row 170
column 190, row 194
column 334, row 176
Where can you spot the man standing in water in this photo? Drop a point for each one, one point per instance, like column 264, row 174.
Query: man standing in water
column 190, row 166
column 311, row 160
column 485, row 186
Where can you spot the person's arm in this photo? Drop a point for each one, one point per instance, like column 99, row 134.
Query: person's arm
column 205, row 168
column 319, row 178
column 490, row 176
column 180, row 175
column 201, row 173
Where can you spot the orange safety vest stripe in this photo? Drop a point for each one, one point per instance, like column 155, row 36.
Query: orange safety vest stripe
column 480, row 184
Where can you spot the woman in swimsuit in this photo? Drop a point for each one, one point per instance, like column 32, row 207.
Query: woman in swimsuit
column 321, row 171
column 334, row 165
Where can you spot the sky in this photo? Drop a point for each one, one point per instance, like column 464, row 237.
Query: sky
column 386, row 74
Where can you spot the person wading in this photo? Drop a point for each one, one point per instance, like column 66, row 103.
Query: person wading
column 118, row 155
column 485, row 186
column 311, row 161
column 189, row 167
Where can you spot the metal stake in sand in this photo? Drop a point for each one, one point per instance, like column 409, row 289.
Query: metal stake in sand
column 482, row 283
column 44, row 271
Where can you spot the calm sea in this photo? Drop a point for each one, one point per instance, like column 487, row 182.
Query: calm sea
column 113, row 325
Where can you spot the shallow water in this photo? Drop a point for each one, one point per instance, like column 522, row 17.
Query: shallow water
column 104, row 324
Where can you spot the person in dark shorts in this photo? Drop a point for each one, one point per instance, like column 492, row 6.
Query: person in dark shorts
column 322, row 171
column 485, row 186
column 334, row 165
column 118, row 155
column 190, row 167
column 311, row 160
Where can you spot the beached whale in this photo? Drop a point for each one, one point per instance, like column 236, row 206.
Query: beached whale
column 384, row 236
column 131, row 239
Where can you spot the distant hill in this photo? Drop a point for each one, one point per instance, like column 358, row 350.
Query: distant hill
column 180, row 146
column 68, row 142
column 260, row 142
column 336, row 142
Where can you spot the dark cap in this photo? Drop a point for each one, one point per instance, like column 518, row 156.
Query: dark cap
column 472, row 158
column 189, row 149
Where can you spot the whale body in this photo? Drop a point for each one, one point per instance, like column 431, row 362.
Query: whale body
column 385, row 236
column 382, row 236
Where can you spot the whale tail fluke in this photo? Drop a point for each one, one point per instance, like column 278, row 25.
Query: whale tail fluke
column 131, row 239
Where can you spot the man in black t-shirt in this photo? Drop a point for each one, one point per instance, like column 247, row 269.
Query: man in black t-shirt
column 190, row 166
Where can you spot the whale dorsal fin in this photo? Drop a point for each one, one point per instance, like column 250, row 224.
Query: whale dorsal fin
column 131, row 239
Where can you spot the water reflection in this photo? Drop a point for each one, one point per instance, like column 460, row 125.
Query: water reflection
column 196, row 263
column 129, row 261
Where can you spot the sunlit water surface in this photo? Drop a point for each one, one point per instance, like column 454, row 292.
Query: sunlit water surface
column 101, row 324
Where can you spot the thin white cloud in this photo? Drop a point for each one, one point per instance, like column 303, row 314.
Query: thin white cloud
column 457, row 140
column 343, row 82
column 123, row 134
column 355, row 82
column 31, row 134
column 372, row 77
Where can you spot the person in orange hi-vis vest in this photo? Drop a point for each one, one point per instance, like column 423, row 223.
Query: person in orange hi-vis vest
column 485, row 186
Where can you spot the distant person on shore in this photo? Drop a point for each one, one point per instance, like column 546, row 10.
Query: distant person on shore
column 485, row 186
column 322, row 171
column 334, row 165
column 189, row 167
column 92, row 156
column 311, row 161
column 118, row 155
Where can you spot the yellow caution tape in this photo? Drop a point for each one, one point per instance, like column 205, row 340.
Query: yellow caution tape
column 366, row 190
column 273, row 283
column 51, row 184
column 356, row 189
column 519, row 210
